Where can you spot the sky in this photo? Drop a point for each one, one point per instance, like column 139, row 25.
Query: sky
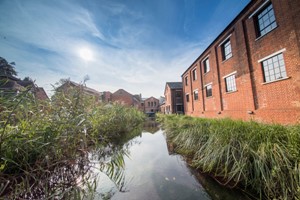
column 136, row 45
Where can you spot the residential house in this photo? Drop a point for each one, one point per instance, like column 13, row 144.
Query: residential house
column 251, row 70
column 173, row 98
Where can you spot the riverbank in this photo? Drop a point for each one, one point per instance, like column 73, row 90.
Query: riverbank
column 45, row 145
column 255, row 157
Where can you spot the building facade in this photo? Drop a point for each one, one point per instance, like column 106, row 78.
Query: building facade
column 173, row 98
column 151, row 105
column 251, row 71
column 69, row 85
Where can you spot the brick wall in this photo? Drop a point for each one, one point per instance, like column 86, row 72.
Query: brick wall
column 254, row 97
column 123, row 97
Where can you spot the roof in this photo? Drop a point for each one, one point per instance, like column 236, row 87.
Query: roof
column 221, row 34
column 174, row 85
column 87, row 89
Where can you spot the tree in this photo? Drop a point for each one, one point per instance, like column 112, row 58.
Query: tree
column 7, row 69
column 27, row 78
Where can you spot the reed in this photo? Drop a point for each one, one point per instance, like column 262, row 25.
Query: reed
column 45, row 145
column 264, row 158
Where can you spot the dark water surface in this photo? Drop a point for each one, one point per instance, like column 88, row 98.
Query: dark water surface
column 152, row 172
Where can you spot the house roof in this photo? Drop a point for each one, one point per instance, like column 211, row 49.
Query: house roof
column 87, row 89
column 174, row 85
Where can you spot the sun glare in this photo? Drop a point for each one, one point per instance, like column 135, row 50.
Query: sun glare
column 86, row 54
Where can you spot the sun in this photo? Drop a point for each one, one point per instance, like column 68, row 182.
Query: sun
column 86, row 54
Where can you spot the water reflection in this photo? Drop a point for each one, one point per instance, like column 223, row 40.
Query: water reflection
column 151, row 126
column 153, row 171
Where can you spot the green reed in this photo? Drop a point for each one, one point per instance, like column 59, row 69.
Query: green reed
column 44, row 141
column 264, row 158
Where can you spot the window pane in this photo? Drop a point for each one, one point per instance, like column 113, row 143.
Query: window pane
column 230, row 83
column 274, row 70
column 266, row 20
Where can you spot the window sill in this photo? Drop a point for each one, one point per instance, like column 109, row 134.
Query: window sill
column 206, row 73
column 282, row 79
column 226, row 59
column 209, row 97
column 231, row 92
column 266, row 34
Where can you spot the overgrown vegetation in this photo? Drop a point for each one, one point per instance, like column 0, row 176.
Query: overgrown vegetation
column 255, row 157
column 46, row 147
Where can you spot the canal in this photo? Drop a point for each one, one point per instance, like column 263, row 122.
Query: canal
column 151, row 172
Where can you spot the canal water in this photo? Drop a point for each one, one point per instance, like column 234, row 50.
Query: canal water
column 152, row 172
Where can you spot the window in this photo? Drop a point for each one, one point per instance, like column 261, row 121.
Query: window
column 230, row 83
column 186, row 80
column 206, row 65
column 151, row 104
column 187, row 97
column 274, row 68
column 154, row 103
column 208, row 90
column 265, row 21
column 148, row 104
column 178, row 93
column 194, row 72
column 179, row 108
column 196, row 95
column 226, row 50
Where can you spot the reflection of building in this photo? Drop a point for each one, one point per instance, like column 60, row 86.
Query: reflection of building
column 151, row 126
column 251, row 70
column 13, row 85
column 173, row 98
column 151, row 105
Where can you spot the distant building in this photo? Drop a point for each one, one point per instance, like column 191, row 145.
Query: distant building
column 67, row 85
column 106, row 96
column 151, row 105
column 251, row 70
column 173, row 98
column 125, row 98
column 13, row 85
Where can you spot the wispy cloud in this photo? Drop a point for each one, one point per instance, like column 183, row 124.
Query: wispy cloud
column 136, row 47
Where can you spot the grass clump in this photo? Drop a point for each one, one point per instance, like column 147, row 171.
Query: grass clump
column 255, row 157
column 45, row 146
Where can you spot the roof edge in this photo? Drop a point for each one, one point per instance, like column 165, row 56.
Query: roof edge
column 224, row 30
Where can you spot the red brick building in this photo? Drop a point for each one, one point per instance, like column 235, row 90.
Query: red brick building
column 151, row 105
column 125, row 98
column 173, row 98
column 68, row 85
column 252, row 69
column 106, row 96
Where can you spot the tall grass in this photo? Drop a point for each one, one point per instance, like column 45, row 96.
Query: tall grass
column 256, row 157
column 44, row 145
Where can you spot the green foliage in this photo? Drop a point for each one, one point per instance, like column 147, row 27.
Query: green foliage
column 257, row 157
column 7, row 69
column 45, row 143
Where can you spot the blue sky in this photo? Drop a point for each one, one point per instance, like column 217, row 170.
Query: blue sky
column 137, row 45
